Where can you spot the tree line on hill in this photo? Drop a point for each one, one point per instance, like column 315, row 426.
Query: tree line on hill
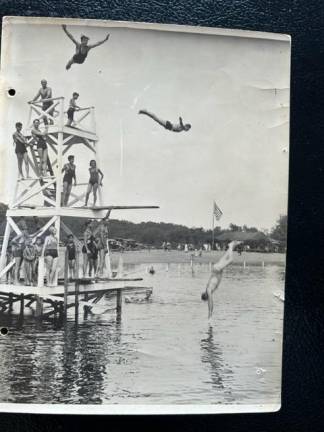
column 155, row 233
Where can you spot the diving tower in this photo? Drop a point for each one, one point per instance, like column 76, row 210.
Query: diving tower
column 40, row 196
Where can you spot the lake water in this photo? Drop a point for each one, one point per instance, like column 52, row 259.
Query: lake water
column 162, row 352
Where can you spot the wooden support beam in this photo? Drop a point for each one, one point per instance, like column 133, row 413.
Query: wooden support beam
column 30, row 195
column 67, row 230
column 39, row 306
column 22, row 301
column 14, row 226
column 119, row 300
column 10, row 301
column 66, row 278
column 76, row 301
column 77, row 198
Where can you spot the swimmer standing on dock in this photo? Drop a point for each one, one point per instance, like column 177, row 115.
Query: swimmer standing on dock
column 217, row 274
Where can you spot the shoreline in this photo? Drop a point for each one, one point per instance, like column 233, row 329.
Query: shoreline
column 160, row 256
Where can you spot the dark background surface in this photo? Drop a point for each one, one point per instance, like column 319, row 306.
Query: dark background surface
column 303, row 373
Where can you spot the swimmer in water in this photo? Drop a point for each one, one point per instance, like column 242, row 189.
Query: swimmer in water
column 179, row 127
column 81, row 48
column 216, row 276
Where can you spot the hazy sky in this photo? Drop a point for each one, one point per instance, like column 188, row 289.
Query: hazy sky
column 234, row 92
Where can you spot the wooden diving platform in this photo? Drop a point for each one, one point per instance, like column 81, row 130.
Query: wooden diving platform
column 85, row 212
column 53, row 301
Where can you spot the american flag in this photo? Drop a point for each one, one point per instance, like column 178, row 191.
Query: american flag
column 217, row 212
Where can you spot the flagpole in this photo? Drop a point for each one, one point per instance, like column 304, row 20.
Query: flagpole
column 212, row 245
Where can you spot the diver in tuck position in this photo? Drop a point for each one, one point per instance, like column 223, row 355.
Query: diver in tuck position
column 81, row 48
column 217, row 274
column 166, row 123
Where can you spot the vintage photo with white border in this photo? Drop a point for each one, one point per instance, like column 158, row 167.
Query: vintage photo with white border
column 143, row 204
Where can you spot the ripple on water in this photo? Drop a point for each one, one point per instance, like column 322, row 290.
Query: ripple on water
column 163, row 352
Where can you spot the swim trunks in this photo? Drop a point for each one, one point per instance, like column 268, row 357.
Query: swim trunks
column 51, row 252
column 69, row 175
column 20, row 146
column 71, row 251
column 70, row 113
column 40, row 142
column 79, row 58
column 94, row 177
column 168, row 125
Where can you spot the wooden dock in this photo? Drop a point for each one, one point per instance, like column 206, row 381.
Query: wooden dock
column 54, row 302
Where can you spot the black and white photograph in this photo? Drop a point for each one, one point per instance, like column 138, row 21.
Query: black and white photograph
column 143, row 217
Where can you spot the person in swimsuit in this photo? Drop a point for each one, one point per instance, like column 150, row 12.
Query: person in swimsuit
column 69, row 175
column 10, row 272
column 88, row 233
column 40, row 139
column 166, row 123
column 216, row 276
column 101, row 241
column 71, row 250
column 50, row 252
column 92, row 256
column 81, row 48
column 72, row 108
column 29, row 255
column 18, row 245
column 94, row 182
column 20, row 143
column 45, row 93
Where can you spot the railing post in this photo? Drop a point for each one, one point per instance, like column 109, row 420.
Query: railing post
column 119, row 301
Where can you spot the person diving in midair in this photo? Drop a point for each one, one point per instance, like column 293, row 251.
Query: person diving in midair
column 177, row 127
column 81, row 48
column 217, row 274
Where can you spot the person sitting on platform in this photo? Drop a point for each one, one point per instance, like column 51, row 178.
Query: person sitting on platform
column 69, row 175
column 20, row 143
column 72, row 108
column 44, row 93
column 94, row 182
column 71, row 250
column 92, row 256
column 29, row 255
column 40, row 139
column 166, row 123
column 81, row 48
column 50, row 252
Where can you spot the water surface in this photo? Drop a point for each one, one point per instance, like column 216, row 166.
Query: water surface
column 162, row 352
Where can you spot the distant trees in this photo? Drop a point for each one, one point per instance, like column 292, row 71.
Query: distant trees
column 279, row 231
column 154, row 234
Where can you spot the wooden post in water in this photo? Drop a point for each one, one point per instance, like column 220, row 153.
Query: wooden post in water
column 76, row 301
column 22, row 305
column 39, row 306
column 119, row 300
column 66, row 279
column 10, row 301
